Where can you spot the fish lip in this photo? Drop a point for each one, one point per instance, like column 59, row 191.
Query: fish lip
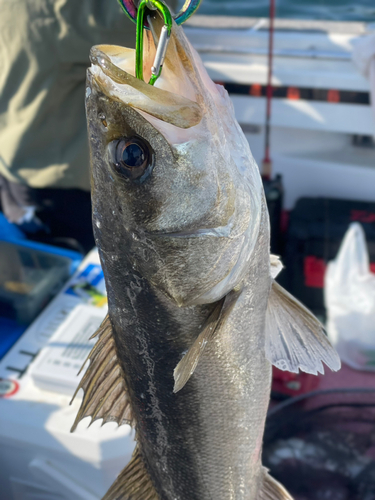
column 102, row 60
column 123, row 87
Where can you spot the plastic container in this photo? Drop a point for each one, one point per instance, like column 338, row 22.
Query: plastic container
column 9, row 230
column 57, row 366
column 30, row 275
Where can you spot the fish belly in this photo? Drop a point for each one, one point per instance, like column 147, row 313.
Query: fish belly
column 207, row 438
column 234, row 381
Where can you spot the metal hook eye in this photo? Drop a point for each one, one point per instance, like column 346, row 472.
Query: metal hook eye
column 162, row 45
column 188, row 9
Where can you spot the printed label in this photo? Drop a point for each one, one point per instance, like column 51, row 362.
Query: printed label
column 89, row 286
column 8, row 388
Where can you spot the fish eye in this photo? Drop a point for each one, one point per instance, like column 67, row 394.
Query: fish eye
column 132, row 158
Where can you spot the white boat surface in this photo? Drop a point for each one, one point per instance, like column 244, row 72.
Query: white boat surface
column 321, row 148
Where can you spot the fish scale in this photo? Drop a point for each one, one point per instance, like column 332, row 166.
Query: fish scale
column 240, row 374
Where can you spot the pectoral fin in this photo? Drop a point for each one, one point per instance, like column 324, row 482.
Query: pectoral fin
column 272, row 489
column 295, row 339
column 186, row 367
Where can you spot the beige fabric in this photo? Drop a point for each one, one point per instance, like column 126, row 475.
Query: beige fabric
column 44, row 48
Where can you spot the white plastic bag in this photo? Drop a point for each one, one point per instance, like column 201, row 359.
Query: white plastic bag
column 350, row 301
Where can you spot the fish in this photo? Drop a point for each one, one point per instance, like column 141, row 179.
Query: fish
column 195, row 317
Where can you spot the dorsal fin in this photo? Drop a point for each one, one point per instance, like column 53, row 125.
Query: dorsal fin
column 186, row 367
column 133, row 483
column 105, row 394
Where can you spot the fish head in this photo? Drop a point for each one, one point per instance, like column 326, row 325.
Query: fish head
column 176, row 193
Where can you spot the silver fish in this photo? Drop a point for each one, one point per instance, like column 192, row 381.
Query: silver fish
column 195, row 317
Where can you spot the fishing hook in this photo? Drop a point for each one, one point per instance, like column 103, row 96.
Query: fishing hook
column 188, row 9
column 162, row 45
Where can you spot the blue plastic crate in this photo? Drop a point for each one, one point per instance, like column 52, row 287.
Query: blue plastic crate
column 10, row 332
column 9, row 230
column 10, row 234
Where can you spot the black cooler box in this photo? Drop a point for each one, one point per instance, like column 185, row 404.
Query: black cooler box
column 315, row 232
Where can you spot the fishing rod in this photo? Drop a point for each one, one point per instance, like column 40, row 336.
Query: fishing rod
column 267, row 163
column 273, row 188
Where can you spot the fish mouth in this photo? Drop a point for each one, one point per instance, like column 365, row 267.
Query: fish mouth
column 112, row 69
column 215, row 232
column 195, row 234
